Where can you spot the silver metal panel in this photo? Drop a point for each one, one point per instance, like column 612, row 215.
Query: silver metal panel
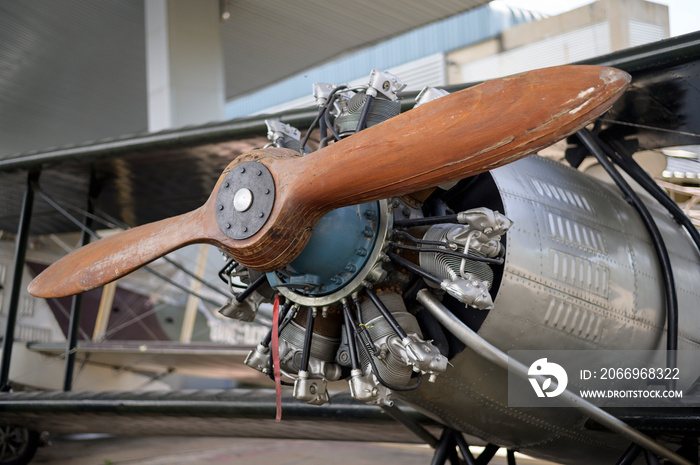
column 583, row 258
column 477, row 405
column 580, row 273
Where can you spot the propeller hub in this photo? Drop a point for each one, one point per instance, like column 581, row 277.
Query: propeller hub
column 245, row 199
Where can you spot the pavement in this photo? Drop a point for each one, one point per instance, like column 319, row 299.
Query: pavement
column 172, row 450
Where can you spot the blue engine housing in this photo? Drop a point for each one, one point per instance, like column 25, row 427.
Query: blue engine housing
column 338, row 249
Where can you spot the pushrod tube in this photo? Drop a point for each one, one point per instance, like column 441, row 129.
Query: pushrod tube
column 501, row 359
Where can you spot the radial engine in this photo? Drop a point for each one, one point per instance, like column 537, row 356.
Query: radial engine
column 344, row 314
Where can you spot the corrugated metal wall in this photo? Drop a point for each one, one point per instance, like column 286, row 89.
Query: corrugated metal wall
column 571, row 46
column 642, row 32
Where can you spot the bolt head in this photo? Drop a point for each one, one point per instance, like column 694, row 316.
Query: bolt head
column 243, row 199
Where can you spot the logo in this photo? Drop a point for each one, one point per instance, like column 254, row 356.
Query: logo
column 543, row 368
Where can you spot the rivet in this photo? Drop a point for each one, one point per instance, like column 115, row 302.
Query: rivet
column 221, row 207
column 245, row 229
column 226, row 185
column 267, row 191
column 228, row 225
column 261, row 214
column 258, row 172
column 242, row 170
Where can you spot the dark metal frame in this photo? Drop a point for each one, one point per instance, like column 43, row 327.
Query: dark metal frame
column 20, row 254
column 21, row 241
column 77, row 301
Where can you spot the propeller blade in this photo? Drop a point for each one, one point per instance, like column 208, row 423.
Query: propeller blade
column 115, row 256
column 265, row 204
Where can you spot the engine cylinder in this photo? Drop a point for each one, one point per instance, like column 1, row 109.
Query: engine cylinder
column 443, row 264
column 322, row 348
column 381, row 110
column 391, row 368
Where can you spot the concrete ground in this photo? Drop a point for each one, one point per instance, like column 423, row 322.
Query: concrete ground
column 114, row 450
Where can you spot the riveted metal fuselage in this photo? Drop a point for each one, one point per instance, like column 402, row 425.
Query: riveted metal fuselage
column 580, row 273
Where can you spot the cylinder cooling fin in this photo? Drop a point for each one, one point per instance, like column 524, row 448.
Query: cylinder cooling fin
column 380, row 110
column 443, row 264
column 389, row 364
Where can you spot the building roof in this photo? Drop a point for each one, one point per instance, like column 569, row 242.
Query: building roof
column 75, row 70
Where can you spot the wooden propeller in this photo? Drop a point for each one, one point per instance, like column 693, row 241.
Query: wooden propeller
column 459, row 135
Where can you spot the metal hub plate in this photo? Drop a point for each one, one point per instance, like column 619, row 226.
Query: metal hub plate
column 245, row 199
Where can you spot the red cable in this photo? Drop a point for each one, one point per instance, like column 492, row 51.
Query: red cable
column 276, row 357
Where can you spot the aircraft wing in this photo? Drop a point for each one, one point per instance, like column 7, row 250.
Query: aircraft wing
column 661, row 108
column 239, row 413
column 137, row 179
column 163, row 357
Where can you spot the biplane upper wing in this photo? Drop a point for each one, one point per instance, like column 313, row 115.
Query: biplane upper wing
column 661, row 108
